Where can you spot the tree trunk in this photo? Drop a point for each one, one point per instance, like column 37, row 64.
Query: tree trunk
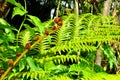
column 106, row 9
column 76, row 9
column 98, row 57
column 106, row 12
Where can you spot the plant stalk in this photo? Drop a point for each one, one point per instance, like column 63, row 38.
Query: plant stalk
column 26, row 50
column 21, row 24
column 57, row 11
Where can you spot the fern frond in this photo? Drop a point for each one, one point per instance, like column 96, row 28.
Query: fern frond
column 60, row 77
column 43, row 46
column 28, row 75
column 105, row 76
column 84, row 34
column 76, row 45
column 61, row 59
column 25, row 37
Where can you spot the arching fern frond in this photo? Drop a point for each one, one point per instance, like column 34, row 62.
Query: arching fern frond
column 84, row 34
column 29, row 75
column 62, row 58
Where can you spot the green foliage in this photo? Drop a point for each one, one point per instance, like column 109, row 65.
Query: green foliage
column 84, row 34
column 13, row 2
column 80, row 35
column 7, row 36
column 56, row 56
column 26, row 39
column 86, row 73
column 110, row 54
column 36, row 21
column 6, row 31
column 18, row 10
column 61, row 59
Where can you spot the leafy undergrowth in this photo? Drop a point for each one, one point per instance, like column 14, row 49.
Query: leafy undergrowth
column 56, row 56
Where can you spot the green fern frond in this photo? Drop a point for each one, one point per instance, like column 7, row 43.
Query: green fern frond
column 61, row 59
column 43, row 46
column 105, row 76
column 82, row 34
column 89, row 74
column 76, row 45
column 28, row 75
column 25, row 37
column 60, row 77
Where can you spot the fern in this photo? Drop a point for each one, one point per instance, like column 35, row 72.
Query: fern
column 28, row 75
column 85, row 34
column 61, row 59
column 38, row 75
column 26, row 39
column 89, row 74
column 79, row 35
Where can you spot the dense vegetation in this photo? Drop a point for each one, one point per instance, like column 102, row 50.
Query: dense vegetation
column 75, row 45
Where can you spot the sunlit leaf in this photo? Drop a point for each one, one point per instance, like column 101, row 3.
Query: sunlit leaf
column 18, row 11
column 15, row 3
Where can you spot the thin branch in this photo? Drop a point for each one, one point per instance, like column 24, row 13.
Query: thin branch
column 57, row 11
column 95, row 7
column 21, row 24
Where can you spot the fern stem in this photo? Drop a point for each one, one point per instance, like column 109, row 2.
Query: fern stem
column 17, row 60
column 21, row 24
column 20, row 30
column 25, row 4
column 26, row 50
